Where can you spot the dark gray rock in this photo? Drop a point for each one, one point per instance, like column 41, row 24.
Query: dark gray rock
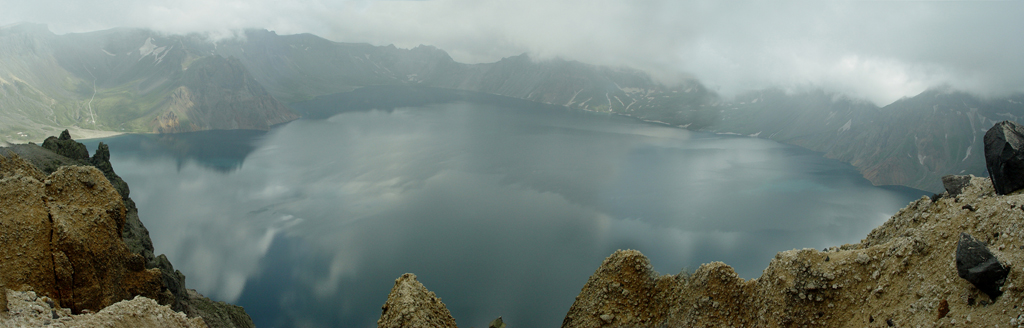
column 101, row 160
column 955, row 184
column 66, row 147
column 976, row 264
column 497, row 323
column 1004, row 156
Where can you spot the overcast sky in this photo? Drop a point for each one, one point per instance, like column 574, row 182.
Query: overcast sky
column 879, row 50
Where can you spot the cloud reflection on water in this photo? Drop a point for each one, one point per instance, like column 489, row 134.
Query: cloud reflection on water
column 499, row 211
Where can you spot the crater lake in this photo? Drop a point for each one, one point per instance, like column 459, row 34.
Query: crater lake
column 501, row 207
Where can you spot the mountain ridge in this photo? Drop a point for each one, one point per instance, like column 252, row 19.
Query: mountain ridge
column 909, row 142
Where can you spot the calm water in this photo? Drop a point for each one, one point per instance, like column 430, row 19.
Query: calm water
column 499, row 210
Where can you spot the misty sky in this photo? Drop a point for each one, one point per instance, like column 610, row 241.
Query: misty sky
column 880, row 50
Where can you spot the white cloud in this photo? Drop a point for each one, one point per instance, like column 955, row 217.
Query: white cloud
column 880, row 50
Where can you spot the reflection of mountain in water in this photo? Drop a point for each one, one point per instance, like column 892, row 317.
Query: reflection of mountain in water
column 225, row 155
column 389, row 97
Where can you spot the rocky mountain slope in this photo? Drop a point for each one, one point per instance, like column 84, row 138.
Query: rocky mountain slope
column 124, row 80
column 911, row 142
column 71, row 232
column 140, row 81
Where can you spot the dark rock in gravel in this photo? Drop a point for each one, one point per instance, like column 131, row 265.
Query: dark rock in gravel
column 1004, row 156
column 976, row 264
column 955, row 184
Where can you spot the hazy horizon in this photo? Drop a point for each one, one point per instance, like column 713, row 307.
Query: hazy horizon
column 875, row 50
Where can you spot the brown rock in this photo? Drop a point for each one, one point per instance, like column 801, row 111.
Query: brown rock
column 25, row 255
column 61, row 237
column 901, row 275
column 19, row 161
column 88, row 216
column 12, row 164
column 3, row 299
column 624, row 289
column 410, row 304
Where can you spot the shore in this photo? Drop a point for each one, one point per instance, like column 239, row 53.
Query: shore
column 79, row 133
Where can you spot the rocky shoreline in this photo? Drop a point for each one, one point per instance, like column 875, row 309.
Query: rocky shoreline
column 71, row 233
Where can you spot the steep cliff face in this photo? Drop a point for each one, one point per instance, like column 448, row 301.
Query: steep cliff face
column 69, row 248
column 80, row 212
column 217, row 93
column 124, row 80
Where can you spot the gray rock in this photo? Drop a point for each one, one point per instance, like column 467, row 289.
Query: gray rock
column 497, row 323
column 410, row 304
column 976, row 264
column 955, row 184
column 66, row 147
column 1004, row 156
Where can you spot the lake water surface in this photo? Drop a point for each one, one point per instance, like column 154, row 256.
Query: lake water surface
column 499, row 210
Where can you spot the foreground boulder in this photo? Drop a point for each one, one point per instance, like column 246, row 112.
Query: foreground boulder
column 62, row 238
column 30, row 160
column 976, row 263
column 1004, row 156
column 410, row 304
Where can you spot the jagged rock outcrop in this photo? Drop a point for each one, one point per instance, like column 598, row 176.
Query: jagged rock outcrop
column 66, row 147
column 64, row 238
column 169, row 284
column 29, row 310
column 903, row 274
column 410, row 304
column 1004, row 156
column 93, row 266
